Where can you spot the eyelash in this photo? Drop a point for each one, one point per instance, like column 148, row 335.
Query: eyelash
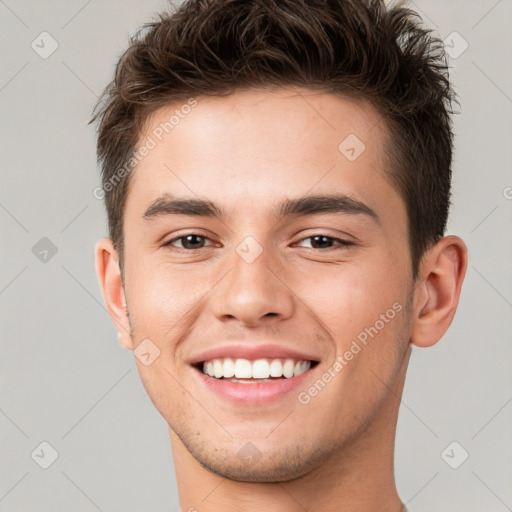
column 342, row 243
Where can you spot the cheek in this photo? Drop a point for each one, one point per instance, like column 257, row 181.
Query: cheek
column 363, row 309
column 348, row 299
column 161, row 296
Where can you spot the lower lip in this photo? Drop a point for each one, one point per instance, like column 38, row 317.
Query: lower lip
column 253, row 394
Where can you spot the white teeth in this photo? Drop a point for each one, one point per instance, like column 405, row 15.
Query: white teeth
column 300, row 367
column 288, row 367
column 218, row 368
column 243, row 369
column 276, row 368
column 258, row 369
column 229, row 368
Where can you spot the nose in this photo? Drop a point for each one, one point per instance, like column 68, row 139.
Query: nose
column 253, row 291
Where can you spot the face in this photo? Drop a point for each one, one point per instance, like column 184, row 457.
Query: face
column 247, row 275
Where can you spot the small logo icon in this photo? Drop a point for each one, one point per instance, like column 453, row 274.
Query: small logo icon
column 249, row 249
column 249, row 454
column 44, row 250
column 351, row 147
column 455, row 45
column 454, row 455
column 146, row 352
column 44, row 45
column 44, row 455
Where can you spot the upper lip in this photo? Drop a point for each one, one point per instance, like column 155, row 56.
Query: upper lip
column 247, row 351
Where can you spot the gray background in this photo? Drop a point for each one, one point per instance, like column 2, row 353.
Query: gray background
column 64, row 378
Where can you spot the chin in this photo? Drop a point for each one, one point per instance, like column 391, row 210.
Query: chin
column 250, row 465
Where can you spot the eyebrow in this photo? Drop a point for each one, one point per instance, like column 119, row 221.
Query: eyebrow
column 167, row 204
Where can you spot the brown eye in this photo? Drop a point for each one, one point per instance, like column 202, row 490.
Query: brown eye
column 190, row 242
column 324, row 242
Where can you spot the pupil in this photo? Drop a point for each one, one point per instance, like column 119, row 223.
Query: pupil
column 320, row 237
column 193, row 237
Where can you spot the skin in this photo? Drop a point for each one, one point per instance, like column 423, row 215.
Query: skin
column 246, row 153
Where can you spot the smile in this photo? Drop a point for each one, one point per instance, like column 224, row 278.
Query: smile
column 259, row 370
column 253, row 382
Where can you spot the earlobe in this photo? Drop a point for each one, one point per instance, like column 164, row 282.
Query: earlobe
column 111, row 284
column 437, row 296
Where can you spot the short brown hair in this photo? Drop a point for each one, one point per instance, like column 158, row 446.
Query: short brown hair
column 351, row 47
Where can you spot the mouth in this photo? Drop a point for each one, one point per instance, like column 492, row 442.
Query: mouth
column 253, row 374
column 253, row 382
column 257, row 371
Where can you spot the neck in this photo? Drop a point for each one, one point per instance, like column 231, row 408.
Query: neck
column 357, row 478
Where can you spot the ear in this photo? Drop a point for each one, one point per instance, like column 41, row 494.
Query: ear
column 111, row 284
column 436, row 297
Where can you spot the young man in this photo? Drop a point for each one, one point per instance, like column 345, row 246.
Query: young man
column 277, row 182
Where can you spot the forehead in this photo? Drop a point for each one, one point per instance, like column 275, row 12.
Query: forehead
column 251, row 148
